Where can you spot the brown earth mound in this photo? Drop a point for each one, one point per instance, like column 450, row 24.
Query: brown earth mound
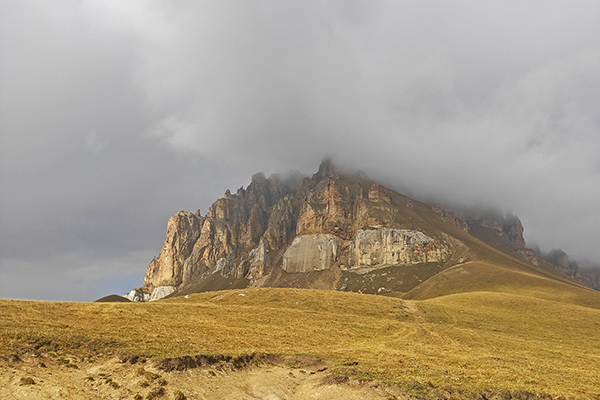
column 113, row 298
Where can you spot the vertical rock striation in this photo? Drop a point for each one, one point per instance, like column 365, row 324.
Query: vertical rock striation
column 311, row 253
column 384, row 247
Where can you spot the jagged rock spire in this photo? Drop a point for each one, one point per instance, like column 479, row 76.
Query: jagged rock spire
column 327, row 169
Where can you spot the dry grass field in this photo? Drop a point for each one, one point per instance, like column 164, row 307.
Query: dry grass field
column 536, row 338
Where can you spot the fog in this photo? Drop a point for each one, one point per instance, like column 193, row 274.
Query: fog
column 116, row 115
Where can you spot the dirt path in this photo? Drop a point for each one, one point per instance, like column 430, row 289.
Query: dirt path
column 113, row 379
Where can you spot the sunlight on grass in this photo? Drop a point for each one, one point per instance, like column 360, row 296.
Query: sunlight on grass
column 470, row 341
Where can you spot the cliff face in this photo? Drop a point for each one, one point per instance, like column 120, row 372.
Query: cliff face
column 295, row 225
column 507, row 227
column 282, row 231
column 561, row 260
column 382, row 247
column 311, row 253
column 232, row 238
column 183, row 231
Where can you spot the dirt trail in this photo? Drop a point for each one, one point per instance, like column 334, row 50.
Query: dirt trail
column 113, row 379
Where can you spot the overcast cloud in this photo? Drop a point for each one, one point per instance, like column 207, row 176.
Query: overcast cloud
column 115, row 115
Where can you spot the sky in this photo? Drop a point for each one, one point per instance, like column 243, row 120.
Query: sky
column 115, row 115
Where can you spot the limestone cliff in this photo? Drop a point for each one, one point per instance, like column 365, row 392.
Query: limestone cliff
column 310, row 253
column 232, row 238
column 383, row 247
column 183, row 231
column 302, row 231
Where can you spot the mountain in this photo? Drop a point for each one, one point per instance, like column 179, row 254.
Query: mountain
column 343, row 232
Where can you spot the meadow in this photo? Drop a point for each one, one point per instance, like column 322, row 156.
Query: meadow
column 464, row 343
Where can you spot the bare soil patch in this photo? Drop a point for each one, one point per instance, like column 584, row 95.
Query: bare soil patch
column 272, row 378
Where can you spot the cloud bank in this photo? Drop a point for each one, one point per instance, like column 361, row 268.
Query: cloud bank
column 115, row 115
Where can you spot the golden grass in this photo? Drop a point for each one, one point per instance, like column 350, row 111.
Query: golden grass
column 480, row 276
column 469, row 341
column 550, row 346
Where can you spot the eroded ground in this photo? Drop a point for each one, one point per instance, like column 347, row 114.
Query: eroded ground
column 111, row 378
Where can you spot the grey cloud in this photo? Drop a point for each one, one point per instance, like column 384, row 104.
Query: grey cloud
column 115, row 115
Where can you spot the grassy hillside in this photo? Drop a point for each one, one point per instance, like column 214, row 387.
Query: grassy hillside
column 481, row 276
column 467, row 341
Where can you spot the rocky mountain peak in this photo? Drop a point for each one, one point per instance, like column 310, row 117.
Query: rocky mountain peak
column 507, row 227
column 326, row 170
column 513, row 229
column 560, row 259
column 281, row 231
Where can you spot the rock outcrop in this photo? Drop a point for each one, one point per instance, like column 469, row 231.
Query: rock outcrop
column 560, row 259
column 257, row 264
column 590, row 277
column 232, row 239
column 508, row 227
column 500, row 231
column 183, row 231
column 384, row 247
column 138, row 294
column 161, row 292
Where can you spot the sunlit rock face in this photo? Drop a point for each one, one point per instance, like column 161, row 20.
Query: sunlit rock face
column 311, row 253
column 160, row 292
column 233, row 238
column 183, row 231
column 384, row 247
